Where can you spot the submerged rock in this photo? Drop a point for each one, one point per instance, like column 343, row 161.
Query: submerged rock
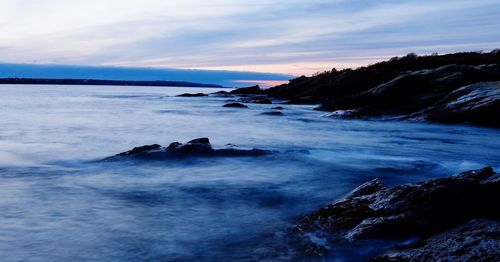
column 192, row 95
column 273, row 113
column 237, row 105
column 200, row 147
column 374, row 211
column 221, row 93
column 256, row 100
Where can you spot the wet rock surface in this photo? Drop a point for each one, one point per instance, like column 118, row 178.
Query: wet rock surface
column 221, row 93
column 425, row 210
column 200, row 147
column 236, row 105
column 413, row 92
column 256, row 100
column 192, row 95
column 476, row 240
column 478, row 103
column 273, row 113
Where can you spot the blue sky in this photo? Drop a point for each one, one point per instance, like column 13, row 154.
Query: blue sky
column 278, row 36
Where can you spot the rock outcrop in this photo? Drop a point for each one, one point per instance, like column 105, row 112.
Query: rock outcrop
column 236, row 105
column 409, row 87
column 476, row 240
column 258, row 99
column 200, row 147
column 192, row 95
column 252, row 90
column 478, row 103
column 423, row 210
column 414, row 92
column 221, row 93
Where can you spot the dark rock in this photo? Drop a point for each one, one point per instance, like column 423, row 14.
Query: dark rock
column 478, row 103
column 335, row 84
column 368, row 188
column 262, row 101
column 200, row 147
column 141, row 150
column 476, row 240
column 278, row 108
column 306, row 100
column 234, row 152
column 413, row 92
column 373, row 211
column 256, row 100
column 203, row 140
column 400, row 88
column 192, row 95
column 273, row 113
column 237, row 105
column 253, row 90
column 221, row 94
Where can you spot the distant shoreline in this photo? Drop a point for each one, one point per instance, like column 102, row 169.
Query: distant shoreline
column 43, row 81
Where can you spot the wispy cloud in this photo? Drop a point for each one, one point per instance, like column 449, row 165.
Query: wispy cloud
column 286, row 36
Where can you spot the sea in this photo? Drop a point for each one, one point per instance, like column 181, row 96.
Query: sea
column 58, row 202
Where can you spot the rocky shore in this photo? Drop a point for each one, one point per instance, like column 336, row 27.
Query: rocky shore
column 446, row 219
column 454, row 88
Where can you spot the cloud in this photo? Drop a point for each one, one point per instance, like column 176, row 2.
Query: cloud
column 274, row 35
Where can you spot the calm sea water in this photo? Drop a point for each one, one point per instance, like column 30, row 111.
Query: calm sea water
column 57, row 204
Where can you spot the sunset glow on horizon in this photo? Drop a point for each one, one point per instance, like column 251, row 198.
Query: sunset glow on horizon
column 286, row 37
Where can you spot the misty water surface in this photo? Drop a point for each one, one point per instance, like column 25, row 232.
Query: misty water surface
column 58, row 204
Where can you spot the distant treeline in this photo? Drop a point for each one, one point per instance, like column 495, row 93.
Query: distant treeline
column 41, row 81
column 338, row 83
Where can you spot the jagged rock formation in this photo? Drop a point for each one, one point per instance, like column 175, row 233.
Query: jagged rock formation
column 200, row 147
column 414, row 92
column 423, row 210
column 478, row 103
column 476, row 240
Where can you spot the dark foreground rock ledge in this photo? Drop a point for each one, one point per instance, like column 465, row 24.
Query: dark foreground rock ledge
column 200, row 147
column 457, row 215
column 476, row 240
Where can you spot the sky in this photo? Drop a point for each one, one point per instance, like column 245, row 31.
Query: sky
column 286, row 37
